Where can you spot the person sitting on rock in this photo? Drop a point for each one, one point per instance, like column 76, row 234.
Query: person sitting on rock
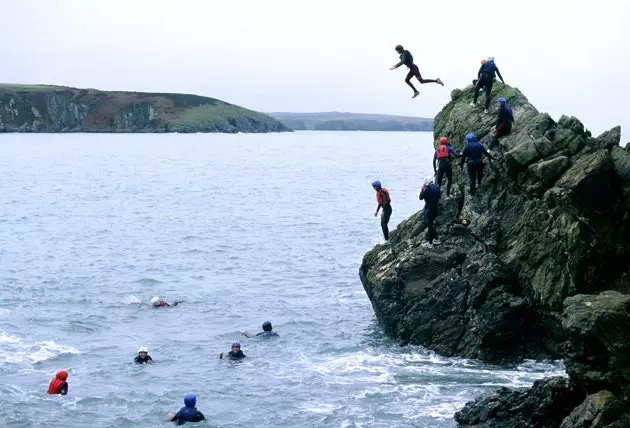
column 407, row 59
column 442, row 156
column 486, row 75
column 266, row 333
column 504, row 121
column 430, row 193
column 472, row 155
column 384, row 201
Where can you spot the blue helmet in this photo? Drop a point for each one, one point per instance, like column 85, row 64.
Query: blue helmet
column 471, row 137
column 501, row 101
column 236, row 345
column 190, row 400
column 376, row 184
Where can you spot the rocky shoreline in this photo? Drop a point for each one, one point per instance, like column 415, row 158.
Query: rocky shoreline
column 541, row 272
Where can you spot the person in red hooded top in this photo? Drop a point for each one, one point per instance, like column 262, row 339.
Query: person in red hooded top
column 59, row 385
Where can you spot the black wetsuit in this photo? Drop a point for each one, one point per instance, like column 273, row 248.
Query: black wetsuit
column 473, row 154
column 140, row 360
column 486, row 76
column 236, row 356
column 386, row 204
column 188, row 414
column 267, row 334
column 407, row 59
column 504, row 124
column 431, row 195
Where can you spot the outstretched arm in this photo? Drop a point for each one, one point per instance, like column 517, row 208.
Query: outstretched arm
column 453, row 152
column 500, row 77
column 394, row 67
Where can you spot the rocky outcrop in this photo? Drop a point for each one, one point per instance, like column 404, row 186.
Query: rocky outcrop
column 549, row 222
column 542, row 406
column 36, row 108
column 541, row 271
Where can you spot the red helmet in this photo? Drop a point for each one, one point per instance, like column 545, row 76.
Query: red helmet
column 443, row 140
column 62, row 375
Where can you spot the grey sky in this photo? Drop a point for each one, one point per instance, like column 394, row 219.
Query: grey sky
column 568, row 57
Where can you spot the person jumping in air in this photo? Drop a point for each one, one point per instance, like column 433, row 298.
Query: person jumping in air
column 443, row 158
column 504, row 121
column 385, row 202
column 430, row 193
column 473, row 152
column 486, row 75
column 407, row 59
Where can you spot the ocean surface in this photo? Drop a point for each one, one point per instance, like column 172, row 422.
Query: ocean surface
column 243, row 229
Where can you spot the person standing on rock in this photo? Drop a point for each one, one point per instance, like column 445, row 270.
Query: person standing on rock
column 384, row 201
column 486, row 75
column 472, row 155
column 430, row 193
column 407, row 59
column 443, row 158
column 504, row 121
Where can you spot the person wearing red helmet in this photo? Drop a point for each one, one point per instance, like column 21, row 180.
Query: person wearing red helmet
column 407, row 59
column 59, row 385
column 443, row 158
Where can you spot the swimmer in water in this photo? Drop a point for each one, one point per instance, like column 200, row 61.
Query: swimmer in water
column 143, row 356
column 59, row 384
column 156, row 302
column 188, row 413
column 235, row 354
column 266, row 333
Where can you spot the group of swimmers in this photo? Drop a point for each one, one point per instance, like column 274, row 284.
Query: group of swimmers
column 188, row 413
column 471, row 156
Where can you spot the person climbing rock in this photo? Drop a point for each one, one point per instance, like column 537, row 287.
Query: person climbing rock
column 486, row 75
column 385, row 202
column 474, row 82
column 442, row 157
column 235, row 354
column 59, row 384
column 407, row 59
column 266, row 333
column 188, row 413
column 472, row 155
column 504, row 121
column 143, row 356
column 430, row 193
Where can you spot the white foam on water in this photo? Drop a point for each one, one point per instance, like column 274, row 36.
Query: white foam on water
column 15, row 350
column 133, row 300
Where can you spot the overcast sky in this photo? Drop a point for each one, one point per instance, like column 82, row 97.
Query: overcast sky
column 568, row 57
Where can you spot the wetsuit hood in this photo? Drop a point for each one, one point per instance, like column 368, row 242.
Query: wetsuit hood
column 190, row 400
column 266, row 326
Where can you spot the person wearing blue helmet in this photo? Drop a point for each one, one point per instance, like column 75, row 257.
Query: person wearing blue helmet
column 235, row 354
column 472, row 155
column 430, row 193
column 384, row 201
column 485, row 79
column 188, row 413
column 504, row 121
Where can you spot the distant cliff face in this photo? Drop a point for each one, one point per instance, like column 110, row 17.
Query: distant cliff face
column 335, row 121
column 35, row 108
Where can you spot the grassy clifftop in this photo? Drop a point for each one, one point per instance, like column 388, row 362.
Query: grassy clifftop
column 336, row 121
column 44, row 108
